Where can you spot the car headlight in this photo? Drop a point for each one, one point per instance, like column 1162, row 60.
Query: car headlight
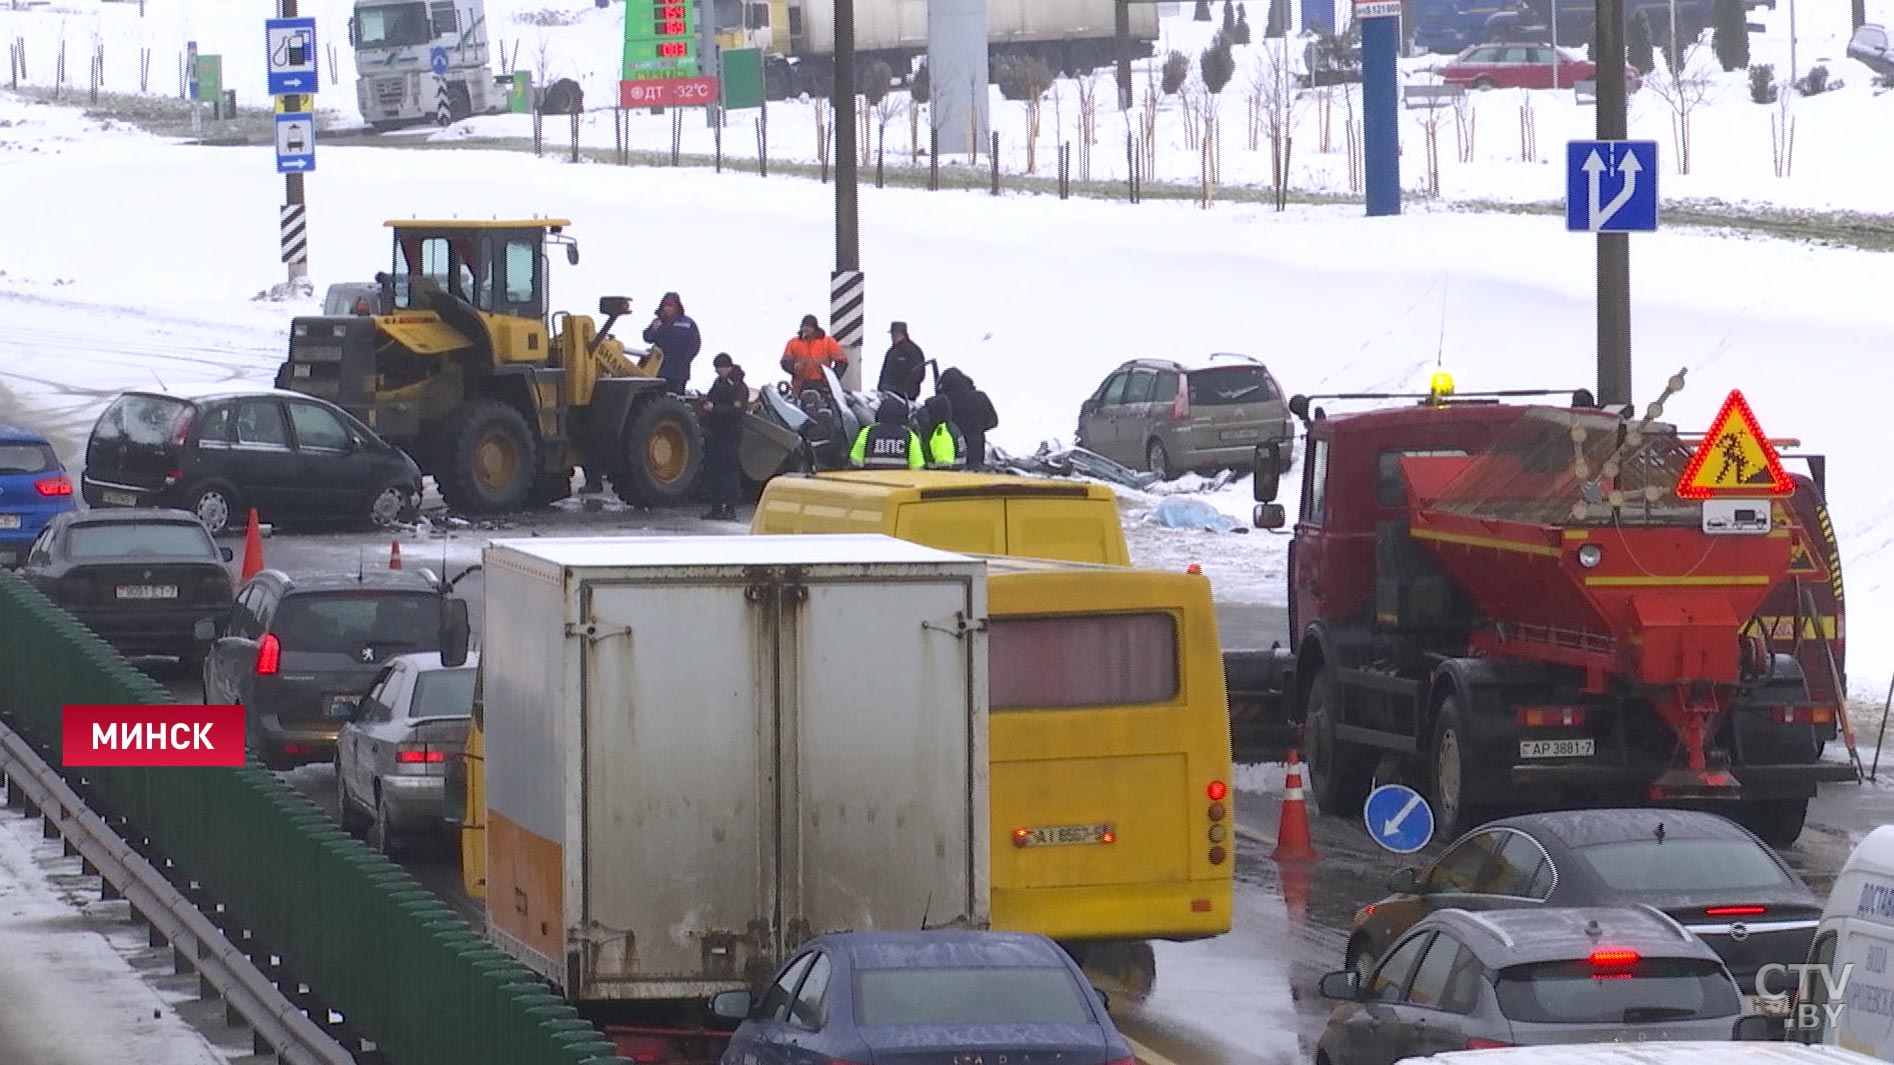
column 1589, row 555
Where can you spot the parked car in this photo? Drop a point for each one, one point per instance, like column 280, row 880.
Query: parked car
column 34, row 487
column 1709, row 873
column 1870, row 47
column 219, row 450
column 290, row 646
column 1525, row 66
column 142, row 579
column 391, row 756
column 1460, row 980
column 1168, row 417
column 943, row 995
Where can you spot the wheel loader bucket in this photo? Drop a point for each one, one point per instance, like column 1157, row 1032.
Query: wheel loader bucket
column 766, row 448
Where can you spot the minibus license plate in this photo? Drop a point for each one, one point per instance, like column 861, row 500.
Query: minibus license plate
column 1557, row 748
column 1066, row 835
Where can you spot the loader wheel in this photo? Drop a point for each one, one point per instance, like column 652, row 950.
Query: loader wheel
column 489, row 458
column 1777, row 822
column 1339, row 773
column 1457, row 807
column 663, row 454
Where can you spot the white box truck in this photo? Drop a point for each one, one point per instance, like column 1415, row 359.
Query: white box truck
column 701, row 751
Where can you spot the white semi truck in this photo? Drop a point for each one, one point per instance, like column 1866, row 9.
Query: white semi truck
column 397, row 46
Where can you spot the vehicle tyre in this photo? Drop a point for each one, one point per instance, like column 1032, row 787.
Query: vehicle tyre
column 396, row 504
column 382, row 837
column 1777, row 822
column 346, row 815
column 1450, row 776
column 662, row 454
column 1484, row 83
column 215, row 505
column 1158, row 460
column 1339, row 773
column 488, row 459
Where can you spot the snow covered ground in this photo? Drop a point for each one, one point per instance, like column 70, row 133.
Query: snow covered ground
column 1837, row 162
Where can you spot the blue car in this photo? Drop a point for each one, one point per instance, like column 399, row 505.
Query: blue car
column 34, row 488
column 939, row 997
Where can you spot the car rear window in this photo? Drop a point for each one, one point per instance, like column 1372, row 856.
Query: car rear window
column 1227, row 386
column 341, row 622
column 27, row 458
column 443, row 693
column 1052, row 663
column 174, row 538
column 140, row 419
column 896, row 997
column 1652, row 991
column 1683, row 865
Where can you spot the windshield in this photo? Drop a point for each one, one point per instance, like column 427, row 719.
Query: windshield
column 140, row 419
column 344, row 622
column 1653, row 990
column 443, row 693
column 180, row 539
column 1673, row 865
column 392, row 26
column 899, row 997
column 1227, row 386
column 27, row 458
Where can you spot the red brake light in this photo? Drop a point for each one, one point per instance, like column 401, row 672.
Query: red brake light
column 1613, row 959
column 1180, row 406
column 419, row 756
column 1021, row 837
column 1485, row 1044
column 183, row 427
column 1216, row 791
column 1734, row 911
column 269, row 656
column 54, row 486
column 1550, row 716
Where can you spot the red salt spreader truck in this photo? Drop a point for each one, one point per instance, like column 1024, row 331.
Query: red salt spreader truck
column 1541, row 605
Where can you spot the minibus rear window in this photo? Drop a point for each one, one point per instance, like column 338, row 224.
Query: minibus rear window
column 1081, row 660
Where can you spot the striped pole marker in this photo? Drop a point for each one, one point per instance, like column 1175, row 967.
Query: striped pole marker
column 295, row 233
column 443, row 114
column 847, row 294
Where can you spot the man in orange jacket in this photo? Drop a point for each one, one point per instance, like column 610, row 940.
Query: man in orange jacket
column 808, row 352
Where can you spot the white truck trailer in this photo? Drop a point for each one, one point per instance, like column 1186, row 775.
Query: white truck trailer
column 399, row 43
column 701, row 751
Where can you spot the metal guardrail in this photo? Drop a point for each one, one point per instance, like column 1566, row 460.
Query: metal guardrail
column 220, row 965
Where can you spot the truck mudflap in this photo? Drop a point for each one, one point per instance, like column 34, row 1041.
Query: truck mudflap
column 1260, row 686
column 1787, row 779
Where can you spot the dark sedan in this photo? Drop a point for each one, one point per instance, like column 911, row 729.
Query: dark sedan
column 940, row 997
column 1708, row 873
column 142, row 579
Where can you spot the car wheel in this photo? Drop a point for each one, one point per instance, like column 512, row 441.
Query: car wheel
column 1483, row 84
column 351, row 821
column 382, row 837
column 395, row 504
column 215, row 506
column 1158, row 461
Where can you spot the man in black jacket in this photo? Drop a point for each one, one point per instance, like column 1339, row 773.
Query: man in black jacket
column 903, row 368
column 972, row 413
column 723, row 406
column 674, row 333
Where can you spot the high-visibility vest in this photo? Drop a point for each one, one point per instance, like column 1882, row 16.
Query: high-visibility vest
column 944, row 449
column 886, row 450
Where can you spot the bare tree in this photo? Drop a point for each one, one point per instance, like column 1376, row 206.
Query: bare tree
column 1087, row 83
column 1274, row 99
column 824, row 115
column 542, row 61
column 886, row 109
column 1684, row 89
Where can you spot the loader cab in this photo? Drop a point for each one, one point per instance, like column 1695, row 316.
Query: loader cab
column 495, row 272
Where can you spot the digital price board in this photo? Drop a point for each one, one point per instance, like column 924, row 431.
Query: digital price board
column 661, row 49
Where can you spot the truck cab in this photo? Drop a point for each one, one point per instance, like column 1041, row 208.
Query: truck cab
column 397, row 44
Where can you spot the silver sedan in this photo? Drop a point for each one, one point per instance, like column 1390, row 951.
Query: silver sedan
column 391, row 757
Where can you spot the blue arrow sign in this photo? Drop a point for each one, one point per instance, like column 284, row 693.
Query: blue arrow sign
column 291, row 44
column 1398, row 818
column 295, row 143
column 1611, row 186
column 437, row 60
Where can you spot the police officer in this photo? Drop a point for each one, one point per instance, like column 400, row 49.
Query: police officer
column 723, row 409
column 946, row 448
column 888, row 444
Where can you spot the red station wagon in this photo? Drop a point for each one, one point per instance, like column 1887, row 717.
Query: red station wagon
column 1523, row 66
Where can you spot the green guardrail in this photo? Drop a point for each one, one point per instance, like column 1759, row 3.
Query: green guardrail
column 367, row 938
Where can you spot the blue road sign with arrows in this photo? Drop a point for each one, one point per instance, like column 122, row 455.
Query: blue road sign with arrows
column 292, row 55
column 295, row 143
column 1398, row 818
column 1611, row 186
column 437, row 60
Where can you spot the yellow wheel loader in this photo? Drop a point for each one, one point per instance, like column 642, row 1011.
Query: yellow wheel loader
column 463, row 364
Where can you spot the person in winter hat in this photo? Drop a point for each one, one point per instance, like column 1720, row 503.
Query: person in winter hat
column 946, row 447
column 888, row 444
column 675, row 334
column 808, row 352
column 723, row 407
column 905, row 365
column 972, row 414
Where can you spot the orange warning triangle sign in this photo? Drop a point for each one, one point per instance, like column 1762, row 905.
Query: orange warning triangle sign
column 1801, row 559
column 1735, row 459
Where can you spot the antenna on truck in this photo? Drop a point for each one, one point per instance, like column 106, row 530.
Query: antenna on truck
column 926, row 907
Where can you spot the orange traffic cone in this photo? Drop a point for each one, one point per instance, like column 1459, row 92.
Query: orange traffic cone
column 252, row 548
column 1292, row 830
column 394, row 554
column 1295, row 879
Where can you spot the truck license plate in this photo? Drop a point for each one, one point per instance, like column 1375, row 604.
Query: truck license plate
column 1066, row 835
column 120, row 499
column 147, row 591
column 1557, row 748
column 9, row 521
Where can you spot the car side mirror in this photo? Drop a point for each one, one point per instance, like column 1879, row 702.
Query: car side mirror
column 614, row 306
column 1266, row 471
column 1404, row 882
column 1269, row 516
column 731, row 1005
column 1299, row 406
column 1760, row 1028
column 572, row 254
column 456, row 632
column 1342, row 986
column 226, row 553
column 208, row 629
